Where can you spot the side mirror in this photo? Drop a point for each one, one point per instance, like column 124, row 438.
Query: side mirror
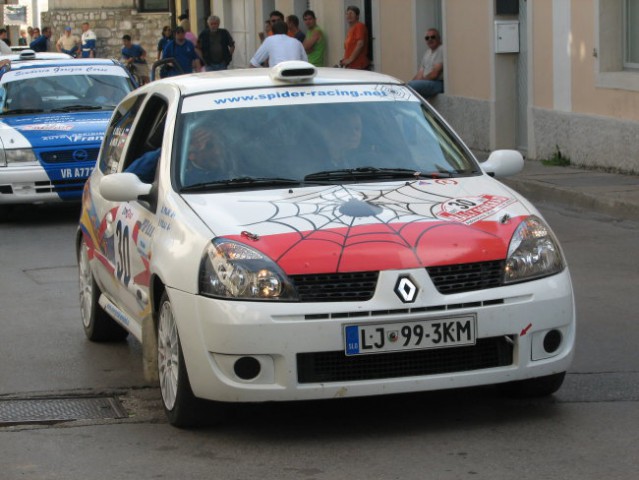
column 123, row 187
column 503, row 163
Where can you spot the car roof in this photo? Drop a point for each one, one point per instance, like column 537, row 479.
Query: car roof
column 29, row 54
column 58, row 60
column 269, row 77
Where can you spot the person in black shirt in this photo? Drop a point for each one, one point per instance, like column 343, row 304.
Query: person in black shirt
column 216, row 44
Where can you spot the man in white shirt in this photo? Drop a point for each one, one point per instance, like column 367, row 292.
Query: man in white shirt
column 429, row 79
column 4, row 48
column 89, row 42
column 68, row 43
column 278, row 48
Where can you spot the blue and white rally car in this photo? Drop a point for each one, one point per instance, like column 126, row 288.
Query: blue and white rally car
column 54, row 111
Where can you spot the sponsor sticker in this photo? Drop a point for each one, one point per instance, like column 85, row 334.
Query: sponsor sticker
column 469, row 210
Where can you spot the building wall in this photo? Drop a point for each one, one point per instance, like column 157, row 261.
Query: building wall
column 578, row 97
column 542, row 48
column 596, row 125
column 468, row 48
column 90, row 4
column 397, row 48
column 468, row 101
column 109, row 24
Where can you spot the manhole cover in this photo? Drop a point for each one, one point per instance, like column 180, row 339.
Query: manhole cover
column 52, row 410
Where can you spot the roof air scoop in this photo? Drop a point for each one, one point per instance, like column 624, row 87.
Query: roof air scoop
column 293, row 71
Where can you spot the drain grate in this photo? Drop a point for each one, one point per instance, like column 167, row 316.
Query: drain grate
column 53, row 410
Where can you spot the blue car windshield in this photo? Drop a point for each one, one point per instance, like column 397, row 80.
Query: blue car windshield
column 63, row 93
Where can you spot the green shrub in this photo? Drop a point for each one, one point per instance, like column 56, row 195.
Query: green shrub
column 558, row 159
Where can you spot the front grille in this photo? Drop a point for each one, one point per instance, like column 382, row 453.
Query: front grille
column 336, row 287
column 66, row 156
column 337, row 367
column 467, row 277
column 360, row 286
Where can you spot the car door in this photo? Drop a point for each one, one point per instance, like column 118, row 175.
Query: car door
column 133, row 224
column 126, row 228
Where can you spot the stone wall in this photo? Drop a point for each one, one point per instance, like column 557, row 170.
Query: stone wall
column 589, row 141
column 109, row 24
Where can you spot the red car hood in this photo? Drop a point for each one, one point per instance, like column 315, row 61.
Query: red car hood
column 363, row 227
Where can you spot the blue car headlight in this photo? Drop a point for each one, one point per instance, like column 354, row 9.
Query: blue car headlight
column 21, row 155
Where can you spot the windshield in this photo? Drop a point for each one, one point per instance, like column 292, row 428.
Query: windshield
column 63, row 93
column 248, row 143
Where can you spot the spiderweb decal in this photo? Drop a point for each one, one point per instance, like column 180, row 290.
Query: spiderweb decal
column 350, row 224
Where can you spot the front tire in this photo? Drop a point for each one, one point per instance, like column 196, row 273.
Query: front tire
column 182, row 408
column 98, row 325
column 533, row 387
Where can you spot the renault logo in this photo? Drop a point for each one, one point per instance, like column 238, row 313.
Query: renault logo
column 406, row 289
column 80, row 155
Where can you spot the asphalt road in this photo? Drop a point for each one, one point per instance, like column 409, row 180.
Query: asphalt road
column 588, row 430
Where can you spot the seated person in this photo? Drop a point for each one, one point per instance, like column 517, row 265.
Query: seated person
column 343, row 137
column 28, row 99
column 429, row 79
column 208, row 158
column 144, row 166
column 104, row 94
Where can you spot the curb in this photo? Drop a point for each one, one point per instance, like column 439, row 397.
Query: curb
column 613, row 205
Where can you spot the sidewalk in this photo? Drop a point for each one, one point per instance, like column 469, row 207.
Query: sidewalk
column 610, row 194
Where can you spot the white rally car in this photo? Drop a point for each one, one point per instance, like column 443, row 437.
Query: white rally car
column 297, row 233
column 54, row 111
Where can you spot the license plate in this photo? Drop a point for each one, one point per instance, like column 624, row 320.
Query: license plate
column 418, row 335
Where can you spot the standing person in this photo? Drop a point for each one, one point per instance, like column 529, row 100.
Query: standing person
column 183, row 52
column 89, row 41
column 216, row 44
column 266, row 32
column 41, row 44
column 190, row 36
column 429, row 79
column 293, row 24
column 279, row 47
column 5, row 49
column 134, row 55
column 314, row 43
column 22, row 41
column 68, row 43
column 275, row 16
column 30, row 35
column 356, row 44
column 167, row 36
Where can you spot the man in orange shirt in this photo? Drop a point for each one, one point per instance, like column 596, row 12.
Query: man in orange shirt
column 356, row 44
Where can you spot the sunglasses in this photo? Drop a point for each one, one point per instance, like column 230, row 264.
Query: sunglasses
column 432, row 37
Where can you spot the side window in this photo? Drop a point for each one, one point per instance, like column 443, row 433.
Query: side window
column 117, row 134
column 150, row 132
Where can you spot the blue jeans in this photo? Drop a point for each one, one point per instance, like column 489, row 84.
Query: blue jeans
column 427, row 88
column 214, row 67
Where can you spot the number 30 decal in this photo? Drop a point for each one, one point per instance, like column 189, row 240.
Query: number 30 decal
column 122, row 256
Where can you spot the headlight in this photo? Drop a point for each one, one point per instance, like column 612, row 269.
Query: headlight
column 231, row 269
column 533, row 252
column 20, row 156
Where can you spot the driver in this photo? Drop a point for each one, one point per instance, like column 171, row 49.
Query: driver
column 28, row 99
column 343, row 137
column 208, row 157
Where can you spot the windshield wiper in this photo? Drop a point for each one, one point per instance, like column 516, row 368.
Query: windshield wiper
column 23, row 110
column 240, row 182
column 375, row 173
column 361, row 173
column 74, row 108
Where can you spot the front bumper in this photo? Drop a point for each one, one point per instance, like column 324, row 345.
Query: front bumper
column 30, row 183
column 291, row 340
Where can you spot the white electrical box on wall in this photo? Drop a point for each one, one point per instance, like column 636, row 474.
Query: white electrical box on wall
column 506, row 36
